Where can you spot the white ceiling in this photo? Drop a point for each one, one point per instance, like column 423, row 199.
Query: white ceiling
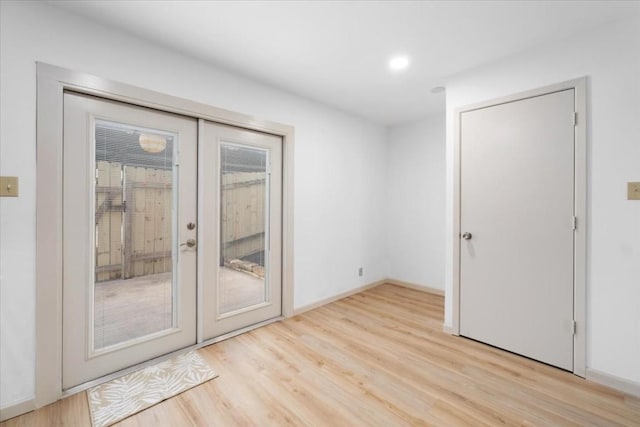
column 336, row 52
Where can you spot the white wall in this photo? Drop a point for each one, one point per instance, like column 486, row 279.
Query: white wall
column 415, row 202
column 340, row 164
column 610, row 57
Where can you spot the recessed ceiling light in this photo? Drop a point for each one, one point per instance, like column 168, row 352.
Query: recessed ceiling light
column 399, row 63
column 438, row 89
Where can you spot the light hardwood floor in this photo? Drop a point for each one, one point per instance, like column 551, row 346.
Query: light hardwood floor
column 378, row 358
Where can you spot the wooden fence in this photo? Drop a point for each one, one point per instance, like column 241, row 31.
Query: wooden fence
column 242, row 214
column 133, row 227
column 133, row 224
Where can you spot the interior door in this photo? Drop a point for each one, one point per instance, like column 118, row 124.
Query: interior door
column 241, row 228
column 129, row 209
column 516, row 219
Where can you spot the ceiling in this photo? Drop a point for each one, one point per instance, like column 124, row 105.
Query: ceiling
column 336, row 52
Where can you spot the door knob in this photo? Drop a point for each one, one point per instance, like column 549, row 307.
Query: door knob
column 189, row 243
column 466, row 236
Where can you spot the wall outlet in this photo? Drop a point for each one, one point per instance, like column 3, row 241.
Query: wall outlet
column 360, row 271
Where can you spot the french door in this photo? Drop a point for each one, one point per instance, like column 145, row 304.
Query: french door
column 154, row 206
column 240, row 243
column 129, row 193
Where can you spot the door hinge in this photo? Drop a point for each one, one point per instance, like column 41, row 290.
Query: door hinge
column 573, row 327
column 575, row 118
column 574, row 223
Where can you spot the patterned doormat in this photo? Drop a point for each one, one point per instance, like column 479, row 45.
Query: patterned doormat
column 120, row 398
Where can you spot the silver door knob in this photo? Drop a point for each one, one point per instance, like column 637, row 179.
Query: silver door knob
column 466, row 236
column 189, row 243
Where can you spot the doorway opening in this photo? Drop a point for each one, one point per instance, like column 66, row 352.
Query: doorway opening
column 121, row 219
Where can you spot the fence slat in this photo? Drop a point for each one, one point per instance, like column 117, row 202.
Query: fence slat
column 165, row 220
column 102, row 224
column 115, row 219
column 149, row 220
column 137, row 228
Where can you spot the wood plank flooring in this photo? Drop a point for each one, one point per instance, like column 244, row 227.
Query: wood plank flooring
column 378, row 358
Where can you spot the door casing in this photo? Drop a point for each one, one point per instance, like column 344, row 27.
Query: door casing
column 580, row 203
column 52, row 81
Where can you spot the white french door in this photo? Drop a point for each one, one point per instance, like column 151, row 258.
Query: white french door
column 240, row 229
column 153, row 207
column 129, row 210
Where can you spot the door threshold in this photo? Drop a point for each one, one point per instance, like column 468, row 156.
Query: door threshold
column 239, row 331
column 89, row 384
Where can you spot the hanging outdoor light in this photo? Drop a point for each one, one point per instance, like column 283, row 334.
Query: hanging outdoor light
column 152, row 143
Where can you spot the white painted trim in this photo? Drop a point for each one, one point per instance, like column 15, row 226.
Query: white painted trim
column 52, row 81
column 288, row 253
column 580, row 235
column 455, row 294
column 200, row 236
column 359, row 289
column 620, row 384
column 337, row 297
column 580, row 208
column 17, row 409
column 417, row 287
column 448, row 329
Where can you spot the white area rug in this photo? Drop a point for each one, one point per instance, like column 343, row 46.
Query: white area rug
column 120, row 398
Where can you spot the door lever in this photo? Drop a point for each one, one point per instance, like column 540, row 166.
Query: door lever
column 189, row 243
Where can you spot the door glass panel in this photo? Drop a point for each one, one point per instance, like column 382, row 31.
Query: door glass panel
column 134, row 284
column 243, row 204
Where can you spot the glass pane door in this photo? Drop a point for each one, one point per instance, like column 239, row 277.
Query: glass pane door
column 134, row 246
column 129, row 210
column 244, row 190
column 240, row 234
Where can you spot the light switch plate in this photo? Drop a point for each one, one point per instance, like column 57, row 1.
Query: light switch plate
column 8, row 186
column 633, row 191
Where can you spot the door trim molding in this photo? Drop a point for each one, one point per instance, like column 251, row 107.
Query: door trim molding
column 580, row 207
column 52, row 81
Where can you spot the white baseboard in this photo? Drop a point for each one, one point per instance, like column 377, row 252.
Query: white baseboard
column 621, row 384
column 333, row 298
column 17, row 409
column 447, row 330
column 415, row 286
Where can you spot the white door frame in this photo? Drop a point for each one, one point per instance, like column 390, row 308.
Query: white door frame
column 580, row 208
column 52, row 81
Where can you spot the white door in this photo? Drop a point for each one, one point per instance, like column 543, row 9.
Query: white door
column 516, row 221
column 129, row 279
column 240, row 232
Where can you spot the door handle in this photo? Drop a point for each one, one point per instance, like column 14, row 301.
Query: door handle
column 189, row 243
column 466, row 236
